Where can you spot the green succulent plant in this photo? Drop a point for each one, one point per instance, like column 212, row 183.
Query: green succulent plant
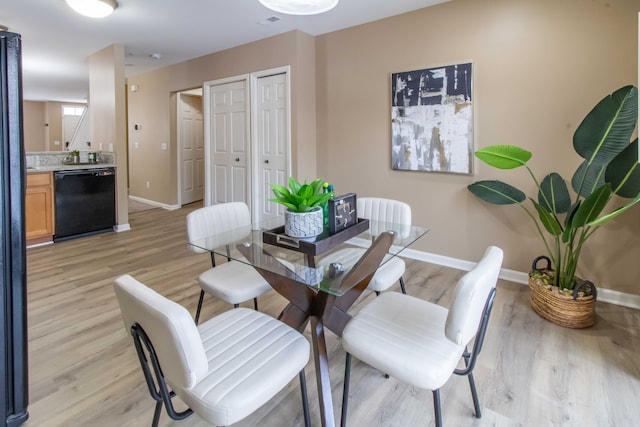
column 610, row 167
column 300, row 197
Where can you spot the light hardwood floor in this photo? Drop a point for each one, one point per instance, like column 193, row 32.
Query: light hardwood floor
column 84, row 371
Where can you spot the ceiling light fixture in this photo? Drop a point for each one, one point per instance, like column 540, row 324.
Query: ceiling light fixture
column 93, row 8
column 299, row 7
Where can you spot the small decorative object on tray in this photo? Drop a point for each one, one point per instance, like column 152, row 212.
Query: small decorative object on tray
column 342, row 212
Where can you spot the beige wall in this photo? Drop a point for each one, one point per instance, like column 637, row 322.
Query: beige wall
column 152, row 106
column 34, row 126
column 108, row 117
column 539, row 67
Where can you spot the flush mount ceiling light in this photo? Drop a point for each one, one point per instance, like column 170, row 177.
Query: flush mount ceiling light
column 299, row 7
column 93, row 8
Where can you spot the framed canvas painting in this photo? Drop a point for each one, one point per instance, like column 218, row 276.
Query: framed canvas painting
column 432, row 119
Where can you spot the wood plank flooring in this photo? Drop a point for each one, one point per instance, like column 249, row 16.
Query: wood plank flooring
column 84, row 371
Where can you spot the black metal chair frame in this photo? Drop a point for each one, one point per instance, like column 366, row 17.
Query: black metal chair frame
column 470, row 359
column 201, row 298
column 160, row 392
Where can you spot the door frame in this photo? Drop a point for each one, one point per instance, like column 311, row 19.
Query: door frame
column 251, row 83
column 179, row 142
column 286, row 70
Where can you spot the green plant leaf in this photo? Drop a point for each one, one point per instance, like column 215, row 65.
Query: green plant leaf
column 592, row 206
column 300, row 197
column 586, row 179
column 624, row 172
column 548, row 219
column 504, row 156
column 605, row 132
column 553, row 194
column 496, row 192
column 568, row 228
column 294, row 185
column 606, row 218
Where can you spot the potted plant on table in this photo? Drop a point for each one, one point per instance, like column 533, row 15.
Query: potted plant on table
column 303, row 216
column 610, row 167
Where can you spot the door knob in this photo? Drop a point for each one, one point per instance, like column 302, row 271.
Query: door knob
column 237, row 159
column 266, row 161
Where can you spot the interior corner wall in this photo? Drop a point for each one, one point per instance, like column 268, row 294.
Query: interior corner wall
column 539, row 67
column 150, row 107
column 108, row 117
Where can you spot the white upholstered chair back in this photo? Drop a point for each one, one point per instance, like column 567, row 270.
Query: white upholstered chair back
column 384, row 210
column 470, row 296
column 215, row 219
column 170, row 328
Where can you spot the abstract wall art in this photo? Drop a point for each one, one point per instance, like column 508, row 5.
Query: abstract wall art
column 432, row 119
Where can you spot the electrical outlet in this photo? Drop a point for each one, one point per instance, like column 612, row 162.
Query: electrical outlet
column 164, row 146
column 100, row 145
column 136, row 145
column 111, row 147
column 148, row 185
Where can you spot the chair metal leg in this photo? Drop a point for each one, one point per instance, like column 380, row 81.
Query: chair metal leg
column 158, row 388
column 404, row 291
column 199, row 306
column 436, row 407
column 305, row 399
column 255, row 304
column 345, row 390
column 474, row 395
column 156, row 414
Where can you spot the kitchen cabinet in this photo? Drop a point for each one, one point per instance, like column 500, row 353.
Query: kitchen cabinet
column 39, row 215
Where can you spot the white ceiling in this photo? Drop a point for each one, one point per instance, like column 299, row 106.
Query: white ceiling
column 57, row 41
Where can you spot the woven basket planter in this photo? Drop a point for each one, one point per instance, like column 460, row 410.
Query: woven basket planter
column 572, row 309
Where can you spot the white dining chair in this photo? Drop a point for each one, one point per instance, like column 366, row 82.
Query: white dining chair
column 233, row 282
column 389, row 211
column 224, row 369
column 421, row 343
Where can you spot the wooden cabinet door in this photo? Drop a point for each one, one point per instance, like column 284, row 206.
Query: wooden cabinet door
column 39, row 206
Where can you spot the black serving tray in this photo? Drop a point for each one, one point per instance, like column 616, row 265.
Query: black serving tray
column 320, row 245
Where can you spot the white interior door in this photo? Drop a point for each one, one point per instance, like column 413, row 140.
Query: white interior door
column 272, row 142
column 229, row 143
column 191, row 134
column 247, row 139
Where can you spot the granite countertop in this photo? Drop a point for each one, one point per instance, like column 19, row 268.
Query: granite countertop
column 49, row 161
column 65, row 167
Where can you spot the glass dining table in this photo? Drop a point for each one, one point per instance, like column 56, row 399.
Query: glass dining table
column 321, row 278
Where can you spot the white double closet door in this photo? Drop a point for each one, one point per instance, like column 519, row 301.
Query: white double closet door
column 247, row 140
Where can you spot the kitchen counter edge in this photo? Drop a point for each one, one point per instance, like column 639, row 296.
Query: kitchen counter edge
column 56, row 168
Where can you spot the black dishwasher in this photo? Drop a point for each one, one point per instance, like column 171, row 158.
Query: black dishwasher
column 85, row 202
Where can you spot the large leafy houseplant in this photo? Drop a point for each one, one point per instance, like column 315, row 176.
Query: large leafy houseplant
column 610, row 167
column 300, row 197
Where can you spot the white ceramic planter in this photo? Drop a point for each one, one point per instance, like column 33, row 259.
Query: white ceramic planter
column 303, row 225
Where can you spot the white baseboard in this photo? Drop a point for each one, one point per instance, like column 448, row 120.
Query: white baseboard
column 121, row 227
column 604, row 295
column 156, row 204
